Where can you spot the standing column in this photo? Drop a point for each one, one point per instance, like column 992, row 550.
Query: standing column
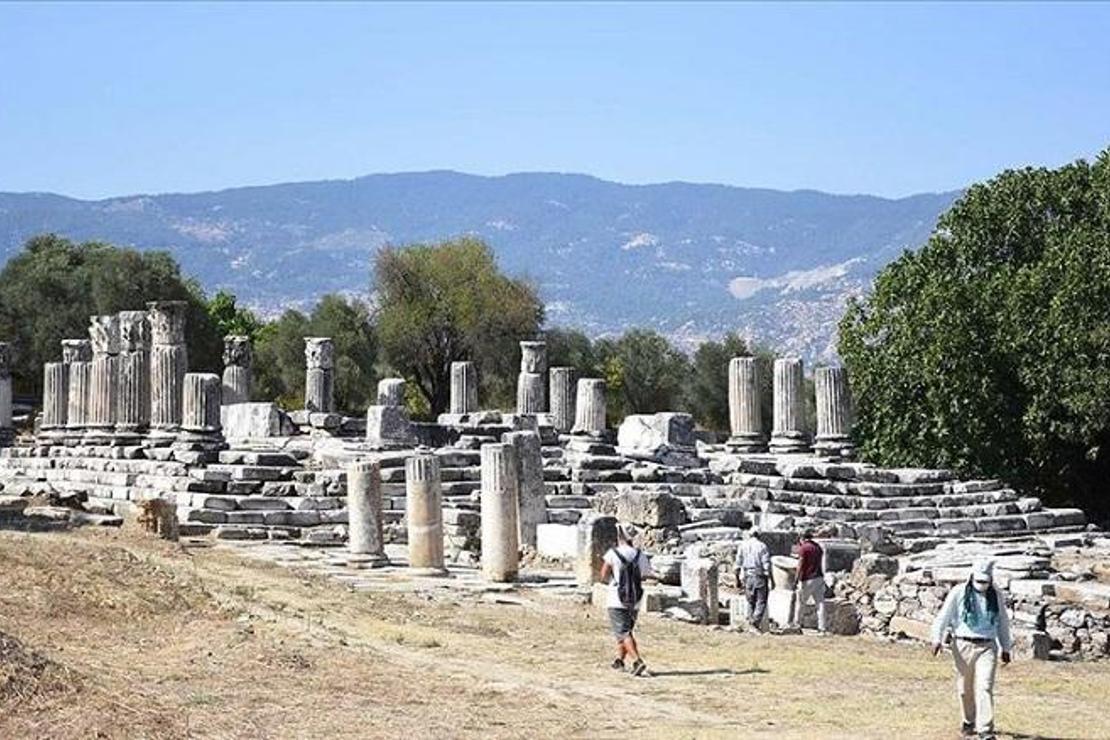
column 788, row 435
column 133, row 402
column 55, row 398
column 364, row 515
column 200, row 418
column 500, row 502
column 237, row 369
column 77, row 355
column 532, row 510
column 589, row 418
column 531, row 385
column 424, row 511
column 103, row 377
column 391, row 392
column 7, row 429
column 562, row 389
column 169, row 361
column 834, row 412
column 319, row 382
column 464, row 388
column 745, row 418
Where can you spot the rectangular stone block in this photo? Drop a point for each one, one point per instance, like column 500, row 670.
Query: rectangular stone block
column 557, row 540
column 780, row 606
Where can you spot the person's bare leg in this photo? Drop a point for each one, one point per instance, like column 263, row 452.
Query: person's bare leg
column 621, row 650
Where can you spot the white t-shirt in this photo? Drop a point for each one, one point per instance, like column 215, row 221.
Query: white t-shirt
column 613, row 599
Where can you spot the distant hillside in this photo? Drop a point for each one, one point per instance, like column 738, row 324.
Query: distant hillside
column 690, row 260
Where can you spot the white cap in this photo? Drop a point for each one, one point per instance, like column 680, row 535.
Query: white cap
column 983, row 570
column 626, row 531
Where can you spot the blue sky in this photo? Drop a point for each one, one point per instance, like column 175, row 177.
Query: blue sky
column 100, row 100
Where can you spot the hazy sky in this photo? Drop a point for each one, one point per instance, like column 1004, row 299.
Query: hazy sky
column 99, row 100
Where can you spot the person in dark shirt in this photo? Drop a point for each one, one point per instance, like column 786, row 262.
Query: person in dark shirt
column 810, row 584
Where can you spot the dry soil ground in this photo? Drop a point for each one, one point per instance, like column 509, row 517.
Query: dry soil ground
column 105, row 635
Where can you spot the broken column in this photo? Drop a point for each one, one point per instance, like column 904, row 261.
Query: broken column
column 500, row 501
column 532, row 511
column 7, row 429
column 169, row 361
column 464, row 388
column 319, row 382
column 745, row 416
column 700, row 582
column 55, row 398
column 237, row 379
column 77, row 356
column 787, row 435
column 391, row 392
column 596, row 533
column 364, row 515
column 424, row 512
column 103, row 377
column 531, row 384
column 133, row 400
column 200, row 418
column 387, row 421
column 562, row 389
column 834, row 412
column 589, row 416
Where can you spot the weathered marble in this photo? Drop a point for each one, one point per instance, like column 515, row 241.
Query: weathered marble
column 500, row 504
column 391, row 392
column 200, row 420
column 133, row 400
column 104, row 333
column 238, row 369
column 169, row 361
column 364, row 515
column 464, row 388
column 590, row 409
column 834, row 412
column 424, row 512
column 788, row 435
column 77, row 356
column 6, row 429
column 596, row 534
column 744, row 413
column 533, row 492
column 562, row 389
column 531, row 387
column 55, row 396
column 319, row 389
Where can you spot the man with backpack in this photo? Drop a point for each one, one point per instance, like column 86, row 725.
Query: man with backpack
column 624, row 567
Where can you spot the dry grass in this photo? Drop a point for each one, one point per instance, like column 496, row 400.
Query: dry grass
column 139, row 638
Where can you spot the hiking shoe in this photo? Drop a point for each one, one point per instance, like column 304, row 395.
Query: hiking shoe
column 967, row 729
column 986, row 736
column 639, row 668
column 618, row 665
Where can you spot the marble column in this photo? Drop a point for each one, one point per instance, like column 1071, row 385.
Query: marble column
column 562, row 388
column 133, row 401
column 531, row 384
column 169, row 361
column 500, row 503
column 589, row 417
column 464, row 388
column 55, row 398
column 424, row 512
column 103, row 377
column 365, row 542
column 532, row 510
column 200, row 417
column 238, row 359
column 319, row 382
column 391, row 392
column 834, row 412
column 7, row 429
column 788, row 435
column 745, row 417
column 77, row 355
column 596, row 534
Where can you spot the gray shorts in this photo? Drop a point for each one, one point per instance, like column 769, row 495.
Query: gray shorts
column 622, row 622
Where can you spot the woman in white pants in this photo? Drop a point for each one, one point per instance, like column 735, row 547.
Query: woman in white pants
column 975, row 614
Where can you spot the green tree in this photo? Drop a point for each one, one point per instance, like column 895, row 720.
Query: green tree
column 987, row 350
column 643, row 372
column 49, row 290
column 445, row 302
column 230, row 318
column 572, row 348
column 707, row 385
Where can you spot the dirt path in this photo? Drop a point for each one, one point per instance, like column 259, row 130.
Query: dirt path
column 151, row 640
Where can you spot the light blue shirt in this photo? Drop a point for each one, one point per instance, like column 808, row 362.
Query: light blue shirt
column 975, row 623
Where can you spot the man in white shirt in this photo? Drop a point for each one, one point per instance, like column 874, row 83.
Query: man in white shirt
column 975, row 614
column 753, row 573
column 624, row 567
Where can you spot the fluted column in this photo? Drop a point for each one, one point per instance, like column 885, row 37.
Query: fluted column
column 133, row 401
column 834, row 412
column 55, row 397
column 788, row 434
column 532, row 510
column 531, row 385
column 319, row 383
column 365, row 542
column 745, row 417
column 424, row 512
column 589, row 417
column 200, row 418
column 238, row 361
column 169, row 361
column 391, row 392
column 7, row 429
column 103, row 377
column 562, row 391
column 500, row 503
column 464, row 388
column 77, row 356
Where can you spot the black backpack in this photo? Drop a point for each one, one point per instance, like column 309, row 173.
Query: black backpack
column 630, row 586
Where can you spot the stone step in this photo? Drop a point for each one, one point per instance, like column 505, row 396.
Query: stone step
column 255, row 472
column 895, row 502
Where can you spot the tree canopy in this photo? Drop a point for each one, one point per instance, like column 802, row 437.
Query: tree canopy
column 988, row 350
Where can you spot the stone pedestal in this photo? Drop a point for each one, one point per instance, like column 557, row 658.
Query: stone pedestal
column 596, row 534
column 169, row 361
column 77, row 356
column 500, row 502
column 238, row 361
column 200, row 419
column 533, row 491
column 55, row 399
column 834, row 412
column 788, row 436
column 700, row 581
column 364, row 515
column 103, row 378
column 133, row 401
column 424, row 511
column 531, row 386
column 589, row 418
column 391, row 392
column 388, row 427
column 7, row 429
column 562, row 389
column 464, row 388
column 319, row 383
column 744, row 414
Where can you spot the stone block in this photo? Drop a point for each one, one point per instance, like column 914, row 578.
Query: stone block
column 913, row 628
column 596, row 533
column 389, row 426
column 780, row 606
column 557, row 540
column 700, row 583
column 838, row 555
column 1032, row 645
column 255, row 420
column 841, row 617
column 784, row 570
column 645, row 508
